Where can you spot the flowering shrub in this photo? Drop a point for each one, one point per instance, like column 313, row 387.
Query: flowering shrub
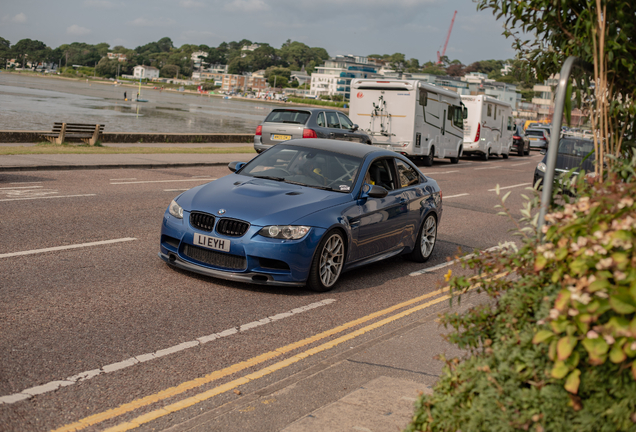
column 554, row 350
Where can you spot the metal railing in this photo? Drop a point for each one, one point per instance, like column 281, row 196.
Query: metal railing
column 559, row 104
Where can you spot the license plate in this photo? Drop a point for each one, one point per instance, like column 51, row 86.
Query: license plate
column 281, row 137
column 534, row 139
column 211, row 242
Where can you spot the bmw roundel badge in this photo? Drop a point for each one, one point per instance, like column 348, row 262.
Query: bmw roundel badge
column 222, row 211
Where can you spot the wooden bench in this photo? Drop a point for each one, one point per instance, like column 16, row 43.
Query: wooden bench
column 88, row 133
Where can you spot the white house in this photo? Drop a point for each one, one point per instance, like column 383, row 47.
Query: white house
column 147, row 72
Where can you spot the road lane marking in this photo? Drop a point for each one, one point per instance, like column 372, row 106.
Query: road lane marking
column 46, row 197
column 522, row 163
column 505, row 245
column 454, row 196
column 492, row 167
column 237, row 367
column 122, row 179
column 25, row 182
column 163, row 181
column 510, row 187
column 59, row 248
column 193, row 400
column 440, row 172
column 20, row 187
column 83, row 376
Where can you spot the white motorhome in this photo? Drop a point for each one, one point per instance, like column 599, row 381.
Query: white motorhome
column 489, row 127
column 411, row 117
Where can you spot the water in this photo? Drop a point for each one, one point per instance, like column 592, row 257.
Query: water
column 35, row 103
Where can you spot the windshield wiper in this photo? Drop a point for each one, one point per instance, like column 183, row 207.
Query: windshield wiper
column 279, row 179
column 311, row 186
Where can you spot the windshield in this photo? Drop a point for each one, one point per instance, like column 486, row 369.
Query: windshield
column 535, row 132
column 287, row 116
column 305, row 166
column 574, row 147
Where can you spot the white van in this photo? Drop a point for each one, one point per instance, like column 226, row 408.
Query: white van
column 489, row 127
column 411, row 117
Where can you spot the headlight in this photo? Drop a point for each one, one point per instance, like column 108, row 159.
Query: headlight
column 288, row 232
column 541, row 167
column 175, row 210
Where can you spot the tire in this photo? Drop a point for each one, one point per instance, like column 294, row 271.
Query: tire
column 528, row 152
column 428, row 160
column 505, row 155
column 521, row 151
column 426, row 240
column 327, row 263
column 454, row 160
column 486, row 155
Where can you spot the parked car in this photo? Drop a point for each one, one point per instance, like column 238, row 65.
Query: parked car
column 572, row 154
column 283, row 124
column 302, row 213
column 538, row 138
column 519, row 142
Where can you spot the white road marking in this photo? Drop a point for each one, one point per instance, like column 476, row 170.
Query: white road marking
column 506, row 245
column 83, row 376
column 122, row 179
column 58, row 248
column 175, row 190
column 492, row 167
column 45, row 197
column 20, row 187
column 522, row 163
column 441, row 172
column 25, row 182
column 510, row 187
column 164, row 181
column 454, row 196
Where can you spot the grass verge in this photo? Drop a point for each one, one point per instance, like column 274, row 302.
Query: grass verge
column 48, row 148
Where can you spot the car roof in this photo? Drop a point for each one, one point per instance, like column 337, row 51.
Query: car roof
column 310, row 109
column 336, row 146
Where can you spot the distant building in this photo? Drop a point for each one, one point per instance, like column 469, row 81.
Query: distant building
column 301, row 76
column 239, row 83
column 334, row 77
column 117, row 56
column 197, row 62
column 146, row 72
column 252, row 47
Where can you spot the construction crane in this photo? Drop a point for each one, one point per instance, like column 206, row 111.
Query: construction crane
column 439, row 57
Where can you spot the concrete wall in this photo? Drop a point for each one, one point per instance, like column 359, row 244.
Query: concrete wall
column 126, row 137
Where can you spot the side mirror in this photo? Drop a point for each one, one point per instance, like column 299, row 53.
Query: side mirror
column 355, row 127
column 235, row 166
column 373, row 191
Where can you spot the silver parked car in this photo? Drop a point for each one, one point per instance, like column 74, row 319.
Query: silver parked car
column 283, row 124
column 538, row 137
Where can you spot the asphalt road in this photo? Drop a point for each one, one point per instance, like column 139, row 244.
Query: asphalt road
column 93, row 327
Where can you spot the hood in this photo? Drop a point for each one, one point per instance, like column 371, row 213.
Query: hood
column 258, row 201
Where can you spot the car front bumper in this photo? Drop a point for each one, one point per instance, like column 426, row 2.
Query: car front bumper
column 267, row 261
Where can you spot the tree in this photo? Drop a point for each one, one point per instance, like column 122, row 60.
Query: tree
column 5, row 51
column 169, row 71
column 107, row 68
column 30, row 50
column 456, row 70
column 238, row 66
column 600, row 32
column 278, row 81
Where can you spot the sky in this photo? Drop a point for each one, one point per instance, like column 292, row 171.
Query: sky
column 416, row 28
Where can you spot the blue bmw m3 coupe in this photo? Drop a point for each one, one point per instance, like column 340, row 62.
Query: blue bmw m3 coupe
column 303, row 212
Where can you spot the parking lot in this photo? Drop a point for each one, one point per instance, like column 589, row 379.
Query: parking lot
column 93, row 320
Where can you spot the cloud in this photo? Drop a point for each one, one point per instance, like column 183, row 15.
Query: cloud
column 100, row 4
column 158, row 22
column 76, row 30
column 19, row 18
column 246, row 6
column 191, row 4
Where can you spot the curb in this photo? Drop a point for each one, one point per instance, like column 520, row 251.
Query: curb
column 105, row 166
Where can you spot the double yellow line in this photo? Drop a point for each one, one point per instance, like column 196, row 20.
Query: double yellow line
column 216, row 375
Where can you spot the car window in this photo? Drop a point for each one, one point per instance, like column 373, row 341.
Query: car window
column 320, row 121
column 332, row 120
column 534, row 132
column 573, row 147
column 345, row 123
column 381, row 174
column 287, row 116
column 407, row 174
column 305, row 166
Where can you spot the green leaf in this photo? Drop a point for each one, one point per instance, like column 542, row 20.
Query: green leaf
column 563, row 300
column 621, row 303
column 540, row 262
column 596, row 349
column 559, row 325
column 573, row 381
column 565, row 346
column 560, row 370
column 616, row 354
column 542, row 336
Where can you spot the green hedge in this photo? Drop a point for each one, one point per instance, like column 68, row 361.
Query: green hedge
column 317, row 102
column 554, row 349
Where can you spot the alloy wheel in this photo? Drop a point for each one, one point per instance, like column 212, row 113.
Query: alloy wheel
column 331, row 260
column 429, row 234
